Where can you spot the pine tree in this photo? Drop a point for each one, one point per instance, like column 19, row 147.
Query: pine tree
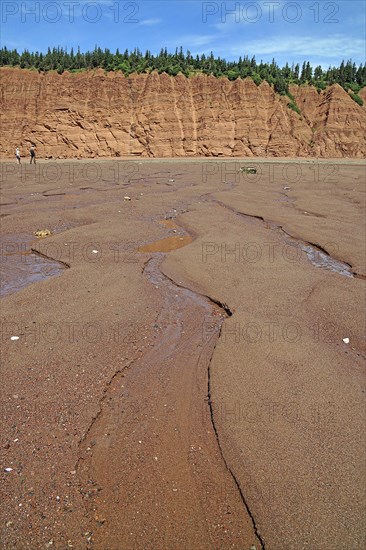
column 347, row 74
column 318, row 73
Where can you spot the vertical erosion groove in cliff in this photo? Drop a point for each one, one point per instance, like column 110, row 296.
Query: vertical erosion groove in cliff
column 97, row 114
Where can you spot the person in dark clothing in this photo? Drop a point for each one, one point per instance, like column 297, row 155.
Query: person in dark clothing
column 33, row 154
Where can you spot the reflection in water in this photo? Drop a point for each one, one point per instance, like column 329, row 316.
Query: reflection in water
column 166, row 245
column 21, row 267
column 321, row 259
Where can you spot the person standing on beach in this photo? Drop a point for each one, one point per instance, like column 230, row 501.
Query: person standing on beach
column 17, row 155
column 32, row 154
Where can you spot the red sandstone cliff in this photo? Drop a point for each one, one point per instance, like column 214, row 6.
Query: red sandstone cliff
column 94, row 114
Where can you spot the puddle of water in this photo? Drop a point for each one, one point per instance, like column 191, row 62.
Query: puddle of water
column 166, row 245
column 20, row 267
column 320, row 259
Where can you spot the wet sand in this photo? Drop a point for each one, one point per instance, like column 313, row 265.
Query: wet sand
column 189, row 364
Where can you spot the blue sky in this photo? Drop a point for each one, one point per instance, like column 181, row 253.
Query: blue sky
column 322, row 32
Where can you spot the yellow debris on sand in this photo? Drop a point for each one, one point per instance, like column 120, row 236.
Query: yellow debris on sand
column 43, row 233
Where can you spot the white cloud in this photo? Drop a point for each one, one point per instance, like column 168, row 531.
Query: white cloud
column 150, row 22
column 330, row 47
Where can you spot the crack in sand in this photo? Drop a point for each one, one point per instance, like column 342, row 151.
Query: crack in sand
column 100, row 404
column 225, row 308
column 222, row 305
column 336, row 266
column 154, row 273
column 244, row 501
column 38, row 253
column 229, row 313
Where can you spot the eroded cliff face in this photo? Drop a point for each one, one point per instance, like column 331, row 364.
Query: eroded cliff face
column 93, row 114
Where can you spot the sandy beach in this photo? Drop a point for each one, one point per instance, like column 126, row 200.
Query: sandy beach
column 183, row 357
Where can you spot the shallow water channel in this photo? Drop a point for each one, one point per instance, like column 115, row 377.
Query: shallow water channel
column 20, row 266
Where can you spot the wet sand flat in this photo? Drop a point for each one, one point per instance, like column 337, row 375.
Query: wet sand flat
column 190, row 372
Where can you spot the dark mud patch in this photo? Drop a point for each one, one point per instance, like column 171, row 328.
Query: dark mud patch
column 22, row 265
